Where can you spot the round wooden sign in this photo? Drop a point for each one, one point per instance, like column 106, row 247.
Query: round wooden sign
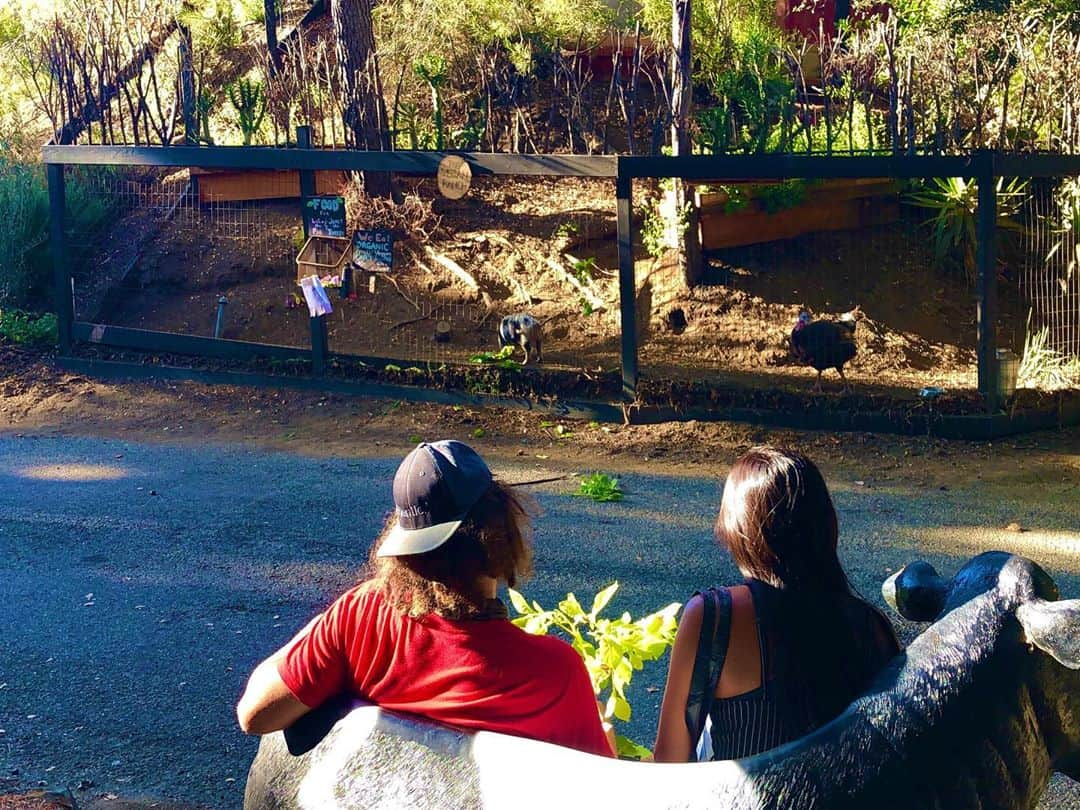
column 454, row 177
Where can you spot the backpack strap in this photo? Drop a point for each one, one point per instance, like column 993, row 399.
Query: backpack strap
column 709, row 661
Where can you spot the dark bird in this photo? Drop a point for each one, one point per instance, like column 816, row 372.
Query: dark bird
column 825, row 344
column 523, row 330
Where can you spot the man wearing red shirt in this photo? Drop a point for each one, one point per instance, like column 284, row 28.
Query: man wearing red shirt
column 426, row 634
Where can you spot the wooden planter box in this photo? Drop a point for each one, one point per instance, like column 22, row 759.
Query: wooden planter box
column 832, row 205
column 228, row 185
column 325, row 257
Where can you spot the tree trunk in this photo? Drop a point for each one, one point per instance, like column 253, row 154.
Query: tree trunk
column 187, row 88
column 270, row 14
column 690, row 261
column 363, row 108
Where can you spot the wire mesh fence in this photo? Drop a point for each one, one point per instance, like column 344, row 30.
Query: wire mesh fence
column 1050, row 276
column 218, row 253
column 190, row 253
column 879, row 315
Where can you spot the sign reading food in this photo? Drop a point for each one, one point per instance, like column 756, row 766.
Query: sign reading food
column 324, row 215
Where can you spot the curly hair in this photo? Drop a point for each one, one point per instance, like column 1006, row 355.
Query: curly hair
column 494, row 540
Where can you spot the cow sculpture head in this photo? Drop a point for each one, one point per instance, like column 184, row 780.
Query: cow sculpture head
column 1048, row 631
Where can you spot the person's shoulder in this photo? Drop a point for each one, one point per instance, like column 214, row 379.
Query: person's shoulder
column 361, row 598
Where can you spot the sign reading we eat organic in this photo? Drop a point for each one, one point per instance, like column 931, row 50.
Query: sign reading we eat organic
column 324, row 215
column 373, row 249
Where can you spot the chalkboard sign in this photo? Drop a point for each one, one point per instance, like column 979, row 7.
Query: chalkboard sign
column 324, row 215
column 373, row 249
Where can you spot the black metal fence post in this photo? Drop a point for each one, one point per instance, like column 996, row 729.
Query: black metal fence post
column 307, row 176
column 627, row 292
column 65, row 313
column 985, row 260
column 319, row 345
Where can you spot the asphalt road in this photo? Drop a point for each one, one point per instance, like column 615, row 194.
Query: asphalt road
column 140, row 584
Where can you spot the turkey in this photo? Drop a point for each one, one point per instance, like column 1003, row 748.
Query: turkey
column 825, row 344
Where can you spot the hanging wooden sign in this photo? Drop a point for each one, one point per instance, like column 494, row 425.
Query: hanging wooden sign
column 454, row 177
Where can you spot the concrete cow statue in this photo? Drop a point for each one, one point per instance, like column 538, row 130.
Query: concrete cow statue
column 976, row 713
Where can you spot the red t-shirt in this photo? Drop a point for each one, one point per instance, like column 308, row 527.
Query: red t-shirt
column 475, row 674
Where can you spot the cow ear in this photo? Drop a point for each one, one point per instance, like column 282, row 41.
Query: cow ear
column 916, row 592
column 1053, row 627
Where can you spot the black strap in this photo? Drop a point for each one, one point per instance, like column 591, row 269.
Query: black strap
column 709, row 661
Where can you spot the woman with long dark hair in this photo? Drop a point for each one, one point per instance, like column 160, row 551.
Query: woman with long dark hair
column 772, row 659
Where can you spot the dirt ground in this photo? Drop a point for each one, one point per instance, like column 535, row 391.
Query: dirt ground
column 36, row 398
column 518, row 239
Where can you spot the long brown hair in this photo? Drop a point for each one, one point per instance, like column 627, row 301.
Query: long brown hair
column 778, row 521
column 494, row 540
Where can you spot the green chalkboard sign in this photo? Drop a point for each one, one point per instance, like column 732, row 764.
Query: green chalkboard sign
column 373, row 249
column 324, row 215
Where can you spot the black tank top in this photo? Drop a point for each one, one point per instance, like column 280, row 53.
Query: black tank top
column 796, row 695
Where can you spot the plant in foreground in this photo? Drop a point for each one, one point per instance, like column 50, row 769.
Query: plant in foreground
column 612, row 649
column 601, row 487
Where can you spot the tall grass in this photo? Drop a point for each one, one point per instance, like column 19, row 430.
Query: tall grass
column 1045, row 368
column 24, row 228
column 25, row 259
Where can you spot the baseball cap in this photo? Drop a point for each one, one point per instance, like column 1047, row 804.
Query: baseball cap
column 434, row 489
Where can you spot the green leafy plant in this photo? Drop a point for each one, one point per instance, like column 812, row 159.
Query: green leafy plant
column 781, row 196
column 249, row 101
column 954, row 202
column 499, row 359
column 479, row 433
column 1066, row 227
column 586, row 306
column 432, row 70
column 661, row 230
column 25, row 329
column 612, row 649
column 584, row 270
column 567, row 229
column 1045, row 368
column 601, row 487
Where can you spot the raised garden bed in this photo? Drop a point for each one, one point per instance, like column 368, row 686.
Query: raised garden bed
column 751, row 215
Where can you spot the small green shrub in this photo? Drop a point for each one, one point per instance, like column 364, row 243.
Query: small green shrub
column 612, row 649
column 601, row 487
column 25, row 329
column 781, row 196
column 499, row 359
column 585, row 269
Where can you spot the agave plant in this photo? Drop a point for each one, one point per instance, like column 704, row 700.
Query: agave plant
column 955, row 204
column 1066, row 227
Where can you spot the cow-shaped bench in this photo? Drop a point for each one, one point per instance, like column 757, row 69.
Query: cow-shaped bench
column 977, row 713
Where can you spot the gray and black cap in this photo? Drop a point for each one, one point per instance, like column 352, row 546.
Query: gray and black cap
column 434, row 489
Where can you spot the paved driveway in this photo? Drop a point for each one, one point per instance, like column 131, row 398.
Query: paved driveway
column 139, row 585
